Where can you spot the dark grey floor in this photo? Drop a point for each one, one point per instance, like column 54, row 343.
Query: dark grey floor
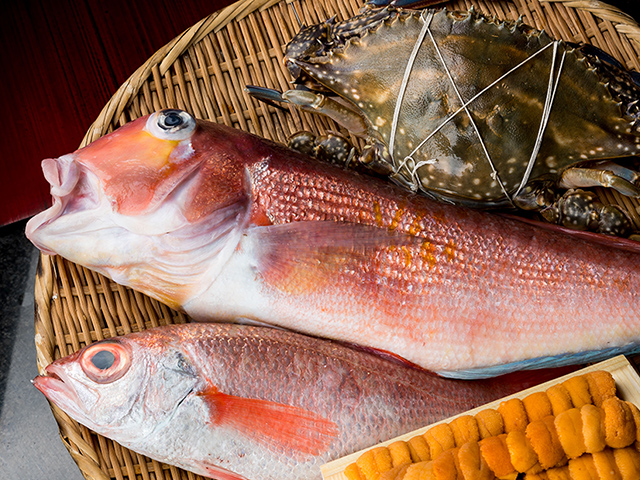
column 30, row 447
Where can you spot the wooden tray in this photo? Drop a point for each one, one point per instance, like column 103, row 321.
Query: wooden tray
column 204, row 71
column 625, row 375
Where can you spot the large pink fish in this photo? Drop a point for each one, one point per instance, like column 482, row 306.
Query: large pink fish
column 226, row 225
column 236, row 401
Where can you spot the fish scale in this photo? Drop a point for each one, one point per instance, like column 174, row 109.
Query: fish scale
column 296, row 243
column 455, row 257
column 366, row 399
column 333, row 201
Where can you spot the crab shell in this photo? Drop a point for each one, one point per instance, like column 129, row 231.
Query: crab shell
column 469, row 109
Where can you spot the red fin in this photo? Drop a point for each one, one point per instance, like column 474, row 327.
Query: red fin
column 220, row 473
column 273, row 425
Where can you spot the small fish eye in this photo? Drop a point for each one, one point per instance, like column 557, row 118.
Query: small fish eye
column 105, row 362
column 171, row 124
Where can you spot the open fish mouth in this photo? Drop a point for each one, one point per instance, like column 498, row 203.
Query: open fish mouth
column 63, row 175
column 76, row 196
column 58, row 391
column 49, row 383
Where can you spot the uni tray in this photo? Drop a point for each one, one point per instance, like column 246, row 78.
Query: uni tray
column 204, row 71
column 623, row 372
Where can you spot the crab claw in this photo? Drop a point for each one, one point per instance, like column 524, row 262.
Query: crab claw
column 340, row 111
column 267, row 95
column 263, row 93
column 595, row 177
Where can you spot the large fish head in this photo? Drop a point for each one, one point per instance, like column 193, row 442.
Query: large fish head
column 120, row 387
column 157, row 188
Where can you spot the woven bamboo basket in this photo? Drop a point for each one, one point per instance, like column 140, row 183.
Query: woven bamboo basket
column 204, row 71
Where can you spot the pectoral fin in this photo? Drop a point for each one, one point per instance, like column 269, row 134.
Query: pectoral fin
column 273, row 425
column 303, row 256
column 219, row 473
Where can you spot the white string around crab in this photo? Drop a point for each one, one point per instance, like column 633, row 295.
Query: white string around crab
column 546, row 112
column 427, row 16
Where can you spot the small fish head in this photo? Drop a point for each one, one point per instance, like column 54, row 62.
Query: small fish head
column 119, row 388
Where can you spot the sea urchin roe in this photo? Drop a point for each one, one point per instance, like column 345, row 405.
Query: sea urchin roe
column 419, row 449
column 560, row 473
column 513, row 414
column 374, row 462
column 560, row 399
column 601, row 386
column 619, row 426
column 472, row 464
column 545, row 443
column 521, row 453
column 420, row 471
column 500, row 442
column 352, row 472
column 444, row 465
column 605, row 464
column 583, row 467
column 440, row 439
column 537, row 406
column 635, row 413
column 569, row 428
column 628, row 462
column 496, row 454
column 400, row 453
column 578, row 389
column 490, row 423
column 592, row 428
column 465, row 429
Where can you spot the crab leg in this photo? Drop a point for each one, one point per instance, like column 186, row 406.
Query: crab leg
column 582, row 210
column 590, row 177
column 344, row 115
column 632, row 176
column 308, row 101
column 375, row 154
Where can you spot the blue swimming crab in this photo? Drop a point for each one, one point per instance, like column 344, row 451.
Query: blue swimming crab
column 475, row 111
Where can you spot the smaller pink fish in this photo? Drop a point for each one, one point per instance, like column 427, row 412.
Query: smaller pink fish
column 235, row 401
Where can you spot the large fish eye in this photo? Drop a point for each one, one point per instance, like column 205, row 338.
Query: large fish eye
column 171, row 124
column 105, row 362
